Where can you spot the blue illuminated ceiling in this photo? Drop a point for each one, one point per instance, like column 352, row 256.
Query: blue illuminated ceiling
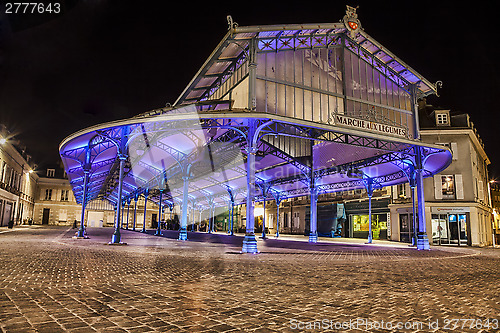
column 211, row 142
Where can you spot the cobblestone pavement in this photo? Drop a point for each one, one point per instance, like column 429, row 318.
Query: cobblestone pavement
column 50, row 282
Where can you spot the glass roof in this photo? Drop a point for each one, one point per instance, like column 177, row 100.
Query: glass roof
column 235, row 44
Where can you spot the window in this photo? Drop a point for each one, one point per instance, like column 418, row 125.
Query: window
column 63, row 215
column 51, row 173
column 296, row 220
column 48, row 194
column 453, row 147
column 360, row 226
column 402, row 191
column 64, row 195
column 442, row 118
column 480, row 192
column 448, row 187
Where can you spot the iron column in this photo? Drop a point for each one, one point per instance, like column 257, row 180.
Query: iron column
column 81, row 231
column 136, row 197
column 414, row 211
column 369, row 191
column 158, row 231
column 128, row 211
column 116, row 238
column 185, row 191
column 278, row 201
column 422, row 240
column 313, row 233
column 249, row 241
column 145, row 210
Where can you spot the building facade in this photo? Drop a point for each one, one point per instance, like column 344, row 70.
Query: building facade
column 457, row 201
column 17, row 181
column 55, row 204
column 462, row 206
column 28, row 195
column 495, row 203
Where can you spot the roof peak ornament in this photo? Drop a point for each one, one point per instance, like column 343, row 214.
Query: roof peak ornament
column 232, row 25
column 438, row 85
column 351, row 21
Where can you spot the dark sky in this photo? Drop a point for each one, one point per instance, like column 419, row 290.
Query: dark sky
column 104, row 60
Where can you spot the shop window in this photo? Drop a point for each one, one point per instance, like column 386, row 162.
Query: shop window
column 449, row 229
column 360, row 226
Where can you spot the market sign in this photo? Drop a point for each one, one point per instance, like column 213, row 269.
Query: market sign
column 369, row 125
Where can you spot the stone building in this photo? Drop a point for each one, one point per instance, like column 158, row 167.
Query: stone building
column 458, row 207
column 462, row 205
column 55, row 204
column 29, row 195
column 495, row 203
column 17, row 181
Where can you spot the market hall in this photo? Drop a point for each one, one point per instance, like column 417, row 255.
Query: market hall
column 275, row 112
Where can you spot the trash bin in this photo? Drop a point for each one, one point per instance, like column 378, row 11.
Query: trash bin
column 11, row 224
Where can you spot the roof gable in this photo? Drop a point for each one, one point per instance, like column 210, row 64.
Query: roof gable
column 232, row 51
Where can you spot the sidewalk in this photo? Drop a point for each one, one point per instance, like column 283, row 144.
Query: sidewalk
column 489, row 250
column 338, row 240
column 50, row 282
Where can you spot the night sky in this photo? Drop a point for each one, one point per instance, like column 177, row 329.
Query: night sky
column 99, row 61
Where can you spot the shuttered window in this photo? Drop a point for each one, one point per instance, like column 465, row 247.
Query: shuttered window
column 460, row 186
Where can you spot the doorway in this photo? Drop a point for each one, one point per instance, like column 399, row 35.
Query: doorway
column 95, row 219
column 46, row 214
column 154, row 221
column 7, row 212
column 406, row 232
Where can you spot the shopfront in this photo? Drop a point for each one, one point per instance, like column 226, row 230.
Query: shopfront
column 450, row 225
column 360, row 226
column 359, row 222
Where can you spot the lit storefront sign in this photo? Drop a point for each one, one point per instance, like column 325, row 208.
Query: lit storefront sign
column 450, row 210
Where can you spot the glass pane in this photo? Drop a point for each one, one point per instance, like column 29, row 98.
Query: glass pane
column 462, row 220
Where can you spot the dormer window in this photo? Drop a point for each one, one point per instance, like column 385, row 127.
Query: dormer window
column 442, row 118
column 51, row 173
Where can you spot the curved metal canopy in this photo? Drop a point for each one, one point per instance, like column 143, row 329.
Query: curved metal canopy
column 208, row 145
